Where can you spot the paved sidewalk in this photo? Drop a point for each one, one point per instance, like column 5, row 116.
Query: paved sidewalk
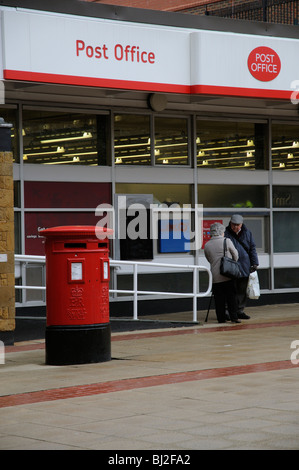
column 200, row 387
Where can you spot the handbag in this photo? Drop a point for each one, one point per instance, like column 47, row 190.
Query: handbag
column 253, row 286
column 228, row 267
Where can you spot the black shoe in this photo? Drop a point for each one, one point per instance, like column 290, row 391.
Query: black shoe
column 243, row 316
column 235, row 321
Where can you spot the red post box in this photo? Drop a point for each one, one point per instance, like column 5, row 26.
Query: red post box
column 77, row 294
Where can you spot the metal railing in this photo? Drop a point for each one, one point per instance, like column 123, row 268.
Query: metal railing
column 134, row 291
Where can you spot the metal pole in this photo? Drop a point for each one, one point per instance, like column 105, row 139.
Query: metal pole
column 135, row 286
column 264, row 10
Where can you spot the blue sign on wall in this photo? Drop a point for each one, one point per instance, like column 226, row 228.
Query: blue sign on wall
column 174, row 236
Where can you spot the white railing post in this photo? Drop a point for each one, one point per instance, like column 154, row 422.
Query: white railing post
column 135, row 288
column 195, row 272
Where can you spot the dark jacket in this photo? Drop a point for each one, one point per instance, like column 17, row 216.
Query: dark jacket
column 247, row 253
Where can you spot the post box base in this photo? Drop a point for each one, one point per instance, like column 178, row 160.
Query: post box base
column 66, row 345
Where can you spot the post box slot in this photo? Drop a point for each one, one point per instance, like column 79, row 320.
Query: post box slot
column 102, row 245
column 75, row 245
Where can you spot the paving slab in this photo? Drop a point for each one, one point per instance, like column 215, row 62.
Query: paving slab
column 187, row 389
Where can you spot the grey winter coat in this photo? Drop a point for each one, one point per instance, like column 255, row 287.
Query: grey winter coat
column 214, row 251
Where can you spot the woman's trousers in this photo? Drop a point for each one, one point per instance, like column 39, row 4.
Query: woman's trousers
column 225, row 294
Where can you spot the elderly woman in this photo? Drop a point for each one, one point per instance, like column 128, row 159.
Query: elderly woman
column 224, row 289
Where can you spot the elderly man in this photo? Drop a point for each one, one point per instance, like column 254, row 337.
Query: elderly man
column 243, row 241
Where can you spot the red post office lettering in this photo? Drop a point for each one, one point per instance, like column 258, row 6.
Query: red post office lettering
column 97, row 52
column 133, row 54
column 126, row 53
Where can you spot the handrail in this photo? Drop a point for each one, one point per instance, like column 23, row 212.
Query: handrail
column 135, row 264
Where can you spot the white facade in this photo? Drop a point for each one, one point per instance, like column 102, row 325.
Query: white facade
column 213, row 78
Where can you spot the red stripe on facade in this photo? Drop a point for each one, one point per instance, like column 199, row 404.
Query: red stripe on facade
column 245, row 92
column 94, row 82
column 145, row 86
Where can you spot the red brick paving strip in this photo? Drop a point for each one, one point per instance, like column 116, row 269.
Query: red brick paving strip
column 141, row 382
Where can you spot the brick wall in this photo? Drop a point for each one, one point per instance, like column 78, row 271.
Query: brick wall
column 7, row 280
column 278, row 11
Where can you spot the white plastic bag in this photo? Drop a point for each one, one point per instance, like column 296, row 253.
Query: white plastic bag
column 253, row 286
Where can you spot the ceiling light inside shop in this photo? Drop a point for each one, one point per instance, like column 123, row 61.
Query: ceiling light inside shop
column 140, row 144
column 86, row 135
column 79, row 153
column 37, row 154
column 250, row 143
column 171, row 145
column 295, row 144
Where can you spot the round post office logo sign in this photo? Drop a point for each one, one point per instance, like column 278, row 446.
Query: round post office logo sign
column 264, row 64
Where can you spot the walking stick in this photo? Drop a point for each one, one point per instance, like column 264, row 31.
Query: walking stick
column 208, row 309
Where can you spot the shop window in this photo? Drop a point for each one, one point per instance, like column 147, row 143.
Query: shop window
column 51, row 194
column 173, row 282
column 54, row 138
column 132, row 143
column 36, row 221
column 231, row 145
column 285, row 147
column 35, row 276
column 171, row 141
column 285, row 196
column 285, row 232
column 156, row 229
column 17, row 194
column 162, row 193
column 17, row 222
column 286, row 278
column 10, row 117
column 257, row 224
column 264, row 278
column 236, row 196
